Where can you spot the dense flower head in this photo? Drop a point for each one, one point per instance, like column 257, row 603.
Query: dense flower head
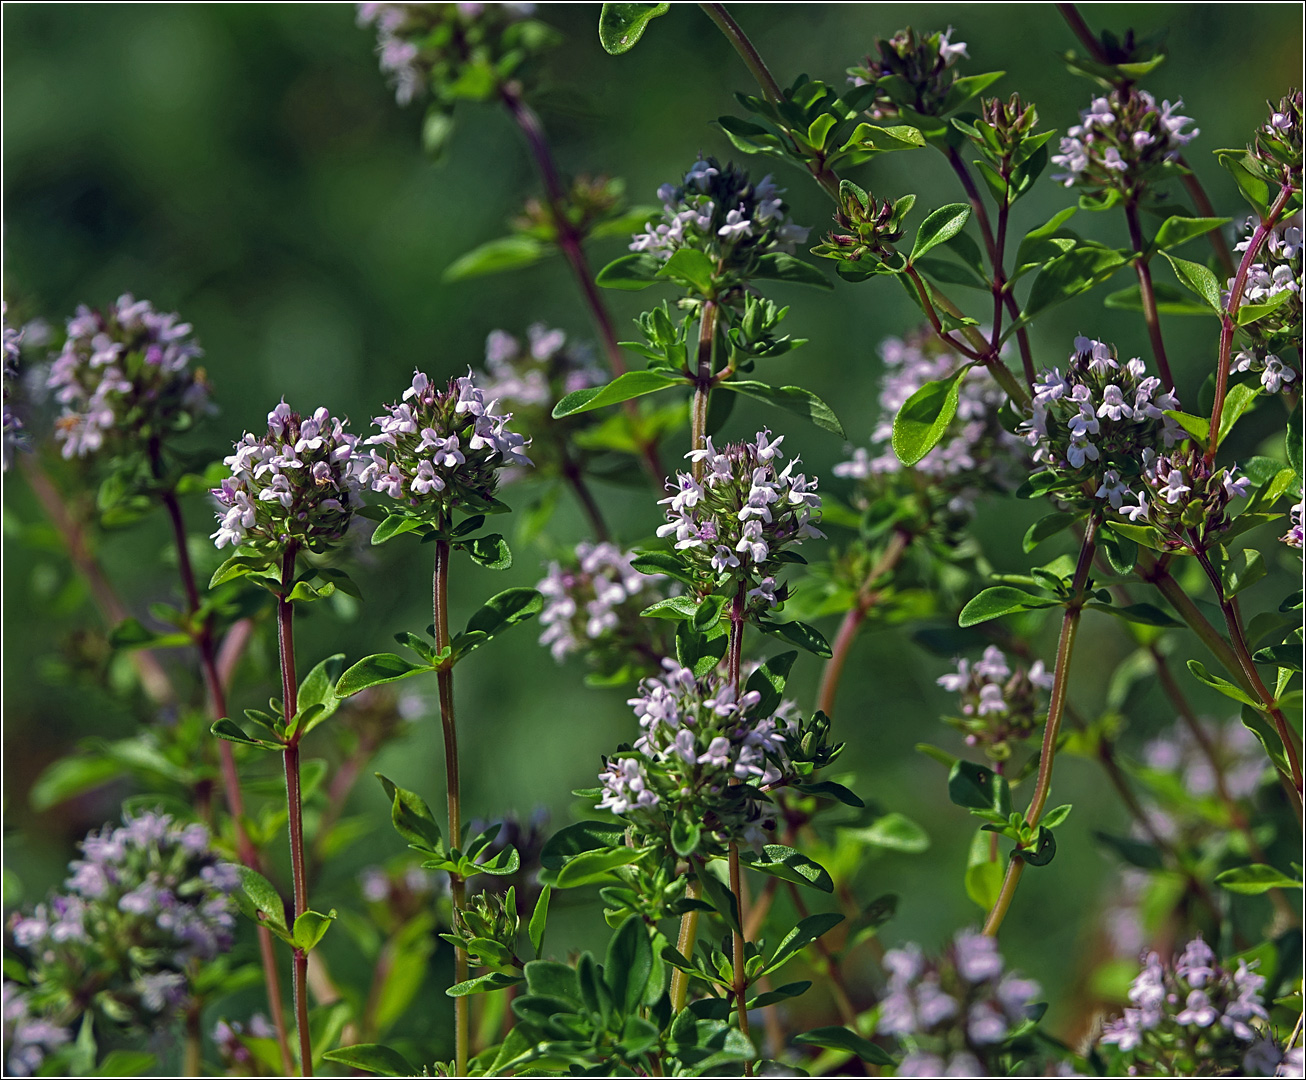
column 144, row 902
column 1278, row 146
column 952, row 1013
column 124, row 376
column 999, row 705
column 426, row 47
column 917, row 69
column 295, row 486
column 1095, row 422
column 734, row 525
column 592, row 606
column 720, row 211
column 976, row 454
column 537, row 373
column 1293, row 536
column 1275, row 279
column 441, row 447
column 1180, row 493
column 1121, row 142
column 1192, row 1016
column 703, row 748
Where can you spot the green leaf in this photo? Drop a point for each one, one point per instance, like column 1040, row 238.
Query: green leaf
column 630, row 272
column 793, row 399
column 1043, row 851
column 790, row 865
column 708, row 613
column 780, row 993
column 231, row 731
column 375, row 670
column 999, row 600
column 840, row 1038
column 132, row 634
column 578, row 838
column 240, row 566
column 1228, row 689
column 495, row 256
column 940, row 227
column 1294, row 439
column 411, row 816
column 691, row 268
column 662, row 562
column 802, row 935
column 1243, row 570
column 395, row 525
column 592, row 866
column 262, row 894
column 372, row 1058
column 830, row 790
column 673, row 607
column 68, row 777
column 983, row 878
column 550, row 979
column 1198, row 279
column 1240, row 398
column 1143, row 613
column 802, row 635
column 978, row 788
column 1179, row 230
column 769, row 681
column 505, row 609
column 925, row 416
column 310, row 928
column 1169, row 300
column 685, row 837
column 484, row 984
column 894, row 832
column 622, row 25
column 632, row 384
column 539, row 919
column 1045, row 528
column 1057, row 815
column 628, row 964
column 1199, row 427
column 1077, row 271
column 1254, row 879
column 318, row 687
column 1255, row 190
column 781, row 267
column 126, row 1063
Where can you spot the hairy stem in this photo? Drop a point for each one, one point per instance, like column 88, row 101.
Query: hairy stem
column 685, row 942
column 1228, row 320
column 453, row 789
column 703, row 381
column 568, row 239
column 1052, row 729
column 215, row 684
column 740, row 987
column 1150, row 315
column 867, row 597
column 294, row 800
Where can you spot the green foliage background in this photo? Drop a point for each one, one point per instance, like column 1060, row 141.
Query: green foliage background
column 246, row 166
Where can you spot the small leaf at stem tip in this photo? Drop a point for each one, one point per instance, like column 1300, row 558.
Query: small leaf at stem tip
column 941, row 226
column 622, row 25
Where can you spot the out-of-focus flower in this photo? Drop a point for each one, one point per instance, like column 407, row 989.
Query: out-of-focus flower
column 999, row 706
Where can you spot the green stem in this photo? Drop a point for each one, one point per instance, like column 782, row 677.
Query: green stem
column 294, row 800
column 1052, row 729
column 453, row 787
column 685, row 942
column 1150, row 315
column 740, row 985
column 1228, row 320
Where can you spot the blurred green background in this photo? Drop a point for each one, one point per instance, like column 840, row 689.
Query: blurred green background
column 247, row 166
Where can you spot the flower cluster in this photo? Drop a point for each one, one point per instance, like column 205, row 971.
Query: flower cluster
column 592, row 605
column 952, row 1014
column 1275, row 280
column 919, row 69
column 1293, row 536
column 702, row 749
column 721, row 212
column 1194, row 1016
column 441, row 449
column 1095, row 422
column 431, row 46
column 146, row 900
column 13, row 437
column 1121, row 142
column 976, row 454
column 1278, row 148
column 735, row 525
column 124, row 375
column 1180, row 493
column 538, row 373
column 28, row 1039
column 297, row 486
column 998, row 706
